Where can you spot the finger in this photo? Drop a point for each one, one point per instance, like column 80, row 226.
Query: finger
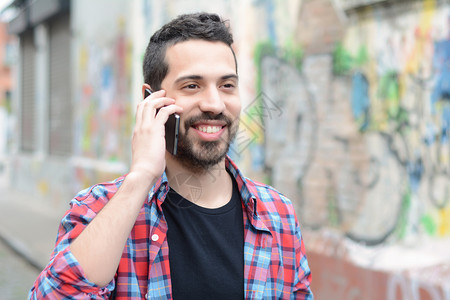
column 160, row 93
column 161, row 102
column 151, row 107
column 166, row 111
column 147, row 108
column 138, row 116
column 141, row 105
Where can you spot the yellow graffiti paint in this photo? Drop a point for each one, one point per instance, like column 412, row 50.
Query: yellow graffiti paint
column 43, row 187
column 83, row 58
column 429, row 8
column 252, row 129
column 422, row 36
column 444, row 222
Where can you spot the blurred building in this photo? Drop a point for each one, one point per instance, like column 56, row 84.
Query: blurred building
column 6, row 78
column 7, row 46
column 346, row 110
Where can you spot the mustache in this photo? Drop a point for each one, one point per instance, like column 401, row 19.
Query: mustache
column 207, row 117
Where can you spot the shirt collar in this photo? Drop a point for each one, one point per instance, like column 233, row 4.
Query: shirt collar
column 159, row 189
column 248, row 194
column 247, row 190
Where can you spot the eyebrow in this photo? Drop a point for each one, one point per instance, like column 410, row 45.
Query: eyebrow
column 188, row 77
column 231, row 76
column 198, row 77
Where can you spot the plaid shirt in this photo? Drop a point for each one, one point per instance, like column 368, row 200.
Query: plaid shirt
column 274, row 254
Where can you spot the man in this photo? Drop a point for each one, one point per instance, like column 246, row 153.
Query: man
column 146, row 235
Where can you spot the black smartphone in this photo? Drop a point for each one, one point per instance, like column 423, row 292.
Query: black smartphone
column 172, row 129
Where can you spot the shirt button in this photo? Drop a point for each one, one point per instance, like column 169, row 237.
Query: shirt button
column 155, row 237
column 161, row 188
column 146, row 296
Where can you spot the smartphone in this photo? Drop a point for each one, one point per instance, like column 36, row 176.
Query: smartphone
column 172, row 129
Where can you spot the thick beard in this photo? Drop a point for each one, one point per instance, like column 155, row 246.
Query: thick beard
column 203, row 156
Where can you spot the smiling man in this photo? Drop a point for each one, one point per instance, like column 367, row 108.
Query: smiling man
column 146, row 234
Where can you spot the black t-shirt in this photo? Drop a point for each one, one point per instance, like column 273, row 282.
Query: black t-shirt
column 206, row 248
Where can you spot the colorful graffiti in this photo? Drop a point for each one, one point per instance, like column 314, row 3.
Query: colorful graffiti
column 368, row 153
column 104, row 124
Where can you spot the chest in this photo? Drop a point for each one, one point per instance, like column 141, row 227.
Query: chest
column 145, row 268
column 205, row 250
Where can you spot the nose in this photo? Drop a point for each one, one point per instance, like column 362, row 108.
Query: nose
column 211, row 101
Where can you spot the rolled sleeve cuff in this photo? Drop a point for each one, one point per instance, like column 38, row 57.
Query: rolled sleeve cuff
column 65, row 277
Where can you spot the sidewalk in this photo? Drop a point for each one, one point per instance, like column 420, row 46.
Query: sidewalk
column 28, row 226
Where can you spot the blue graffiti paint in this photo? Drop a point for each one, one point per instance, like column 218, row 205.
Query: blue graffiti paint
column 107, row 77
column 440, row 96
column 271, row 24
column 441, row 64
column 430, row 133
column 445, row 123
column 360, row 99
column 257, row 153
column 415, row 172
column 269, row 7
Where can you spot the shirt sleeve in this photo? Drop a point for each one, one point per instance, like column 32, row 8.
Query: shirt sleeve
column 63, row 277
column 302, row 289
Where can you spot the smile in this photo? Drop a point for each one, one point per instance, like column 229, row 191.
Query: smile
column 209, row 129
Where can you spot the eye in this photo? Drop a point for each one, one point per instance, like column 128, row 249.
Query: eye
column 190, row 86
column 228, row 85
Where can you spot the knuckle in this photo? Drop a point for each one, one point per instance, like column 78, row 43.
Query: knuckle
column 135, row 133
column 147, row 104
column 144, row 129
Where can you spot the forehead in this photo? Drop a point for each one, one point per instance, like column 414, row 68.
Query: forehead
column 199, row 56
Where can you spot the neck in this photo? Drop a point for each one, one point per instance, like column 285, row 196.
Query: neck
column 210, row 188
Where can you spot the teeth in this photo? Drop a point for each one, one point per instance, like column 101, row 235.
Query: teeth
column 209, row 129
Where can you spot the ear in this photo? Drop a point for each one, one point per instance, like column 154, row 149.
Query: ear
column 144, row 87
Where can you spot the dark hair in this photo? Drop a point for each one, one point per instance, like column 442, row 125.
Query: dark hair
column 197, row 26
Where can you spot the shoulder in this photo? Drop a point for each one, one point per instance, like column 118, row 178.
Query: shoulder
column 272, row 206
column 267, row 194
column 83, row 209
column 96, row 196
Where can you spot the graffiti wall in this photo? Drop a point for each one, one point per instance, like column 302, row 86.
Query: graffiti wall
column 103, row 60
column 400, row 93
column 364, row 131
column 356, row 132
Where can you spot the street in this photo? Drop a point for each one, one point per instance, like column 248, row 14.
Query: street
column 16, row 275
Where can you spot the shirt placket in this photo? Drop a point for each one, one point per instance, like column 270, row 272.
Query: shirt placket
column 257, row 254
column 159, row 286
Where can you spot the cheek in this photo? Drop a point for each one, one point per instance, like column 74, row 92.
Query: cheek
column 187, row 112
column 235, row 110
column 234, row 106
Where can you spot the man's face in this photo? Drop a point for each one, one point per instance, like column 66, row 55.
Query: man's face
column 202, row 79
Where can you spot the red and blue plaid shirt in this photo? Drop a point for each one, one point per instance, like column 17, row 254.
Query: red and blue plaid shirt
column 274, row 254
